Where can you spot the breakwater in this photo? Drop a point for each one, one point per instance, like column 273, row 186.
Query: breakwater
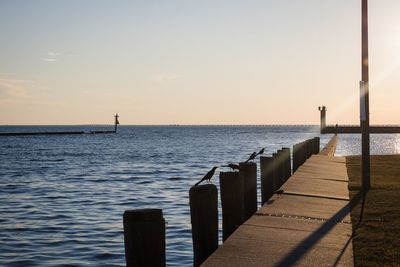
column 55, row 133
column 354, row 129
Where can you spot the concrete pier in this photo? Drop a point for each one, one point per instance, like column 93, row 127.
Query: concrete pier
column 353, row 129
column 349, row 129
column 306, row 224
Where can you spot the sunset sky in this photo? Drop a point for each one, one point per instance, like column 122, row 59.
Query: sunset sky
column 195, row 62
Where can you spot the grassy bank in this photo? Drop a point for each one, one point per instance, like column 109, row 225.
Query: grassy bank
column 377, row 238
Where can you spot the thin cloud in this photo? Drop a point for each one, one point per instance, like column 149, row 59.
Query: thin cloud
column 53, row 54
column 24, row 92
column 14, row 88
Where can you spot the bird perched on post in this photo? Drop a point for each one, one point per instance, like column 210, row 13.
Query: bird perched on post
column 261, row 151
column 208, row 176
column 252, row 156
column 232, row 166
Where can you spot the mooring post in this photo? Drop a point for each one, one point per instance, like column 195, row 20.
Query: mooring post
column 267, row 178
column 287, row 164
column 144, row 236
column 281, row 167
column 232, row 201
column 316, row 145
column 275, row 171
column 299, row 154
column 204, row 219
column 308, row 148
column 296, row 158
column 303, row 152
column 249, row 171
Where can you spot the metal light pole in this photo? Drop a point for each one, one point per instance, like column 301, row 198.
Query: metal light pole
column 364, row 102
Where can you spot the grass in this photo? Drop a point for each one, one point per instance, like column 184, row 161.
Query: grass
column 377, row 238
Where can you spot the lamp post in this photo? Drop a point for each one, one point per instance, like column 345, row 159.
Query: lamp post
column 364, row 101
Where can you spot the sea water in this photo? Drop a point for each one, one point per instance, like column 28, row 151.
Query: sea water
column 62, row 197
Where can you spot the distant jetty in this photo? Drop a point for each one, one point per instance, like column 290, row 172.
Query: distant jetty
column 353, row 129
column 116, row 123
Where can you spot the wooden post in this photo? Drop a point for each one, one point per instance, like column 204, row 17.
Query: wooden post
column 296, row 157
column 290, row 163
column 204, row 218
column 282, row 156
column 232, row 196
column 144, row 236
column 276, row 171
column 316, row 145
column 288, row 167
column 299, row 154
column 267, row 178
column 303, row 152
column 249, row 171
column 312, row 146
column 308, row 148
column 281, row 167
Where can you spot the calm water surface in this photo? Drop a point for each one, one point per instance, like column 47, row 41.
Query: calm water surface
column 62, row 197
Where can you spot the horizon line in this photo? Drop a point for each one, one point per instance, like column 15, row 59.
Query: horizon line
column 171, row 124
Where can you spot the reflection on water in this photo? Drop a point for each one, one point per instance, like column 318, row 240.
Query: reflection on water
column 62, row 197
column 350, row 144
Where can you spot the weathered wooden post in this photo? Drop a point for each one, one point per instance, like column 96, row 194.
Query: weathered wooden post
column 303, row 152
column 312, row 146
column 276, row 171
column 249, row 171
column 204, row 218
column 281, row 160
column 144, row 236
column 287, row 164
column 296, row 157
column 317, row 145
column 267, row 178
column 306, row 149
column 299, row 154
column 232, row 196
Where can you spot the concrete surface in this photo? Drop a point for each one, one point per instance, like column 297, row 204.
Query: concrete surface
column 306, row 225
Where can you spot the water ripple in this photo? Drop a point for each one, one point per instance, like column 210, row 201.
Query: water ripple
column 62, row 197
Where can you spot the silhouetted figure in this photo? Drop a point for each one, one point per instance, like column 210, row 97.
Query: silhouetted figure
column 116, row 122
column 252, row 156
column 208, row 176
column 233, row 166
column 260, row 152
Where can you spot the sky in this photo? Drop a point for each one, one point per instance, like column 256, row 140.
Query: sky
column 195, row 62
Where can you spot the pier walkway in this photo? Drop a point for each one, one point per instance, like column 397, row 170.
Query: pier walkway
column 306, row 224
